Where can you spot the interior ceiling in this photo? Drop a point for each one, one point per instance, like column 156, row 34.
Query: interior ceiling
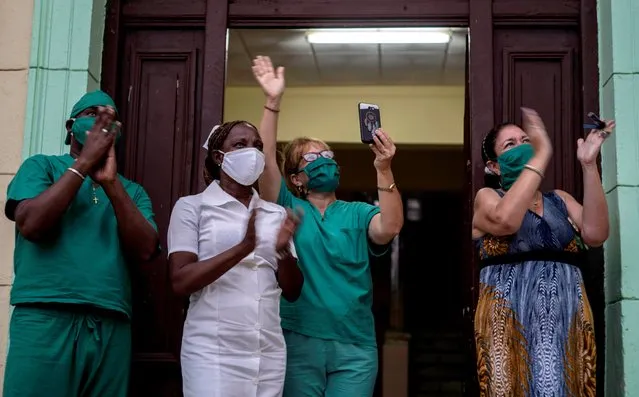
column 346, row 64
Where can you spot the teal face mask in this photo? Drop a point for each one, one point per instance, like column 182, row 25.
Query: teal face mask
column 512, row 162
column 83, row 124
column 323, row 175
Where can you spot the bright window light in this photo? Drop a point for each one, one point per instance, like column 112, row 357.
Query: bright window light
column 378, row 36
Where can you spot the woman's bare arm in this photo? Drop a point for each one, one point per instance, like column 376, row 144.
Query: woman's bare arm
column 271, row 179
column 272, row 82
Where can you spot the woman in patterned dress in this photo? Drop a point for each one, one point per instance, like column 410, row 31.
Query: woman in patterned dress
column 533, row 325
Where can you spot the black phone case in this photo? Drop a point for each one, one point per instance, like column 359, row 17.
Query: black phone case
column 369, row 121
column 597, row 123
column 597, row 120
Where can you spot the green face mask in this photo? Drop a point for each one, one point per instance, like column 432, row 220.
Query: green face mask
column 83, row 124
column 323, row 175
column 511, row 163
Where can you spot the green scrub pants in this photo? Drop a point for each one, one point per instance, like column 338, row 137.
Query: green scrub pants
column 67, row 351
column 325, row 368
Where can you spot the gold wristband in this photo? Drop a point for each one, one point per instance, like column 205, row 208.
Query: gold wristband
column 535, row 170
column 387, row 189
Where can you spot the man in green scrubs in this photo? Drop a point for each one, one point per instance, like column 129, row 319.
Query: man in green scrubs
column 79, row 225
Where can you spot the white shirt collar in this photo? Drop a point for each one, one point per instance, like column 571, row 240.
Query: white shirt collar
column 215, row 195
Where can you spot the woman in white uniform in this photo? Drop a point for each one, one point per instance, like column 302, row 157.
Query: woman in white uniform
column 231, row 252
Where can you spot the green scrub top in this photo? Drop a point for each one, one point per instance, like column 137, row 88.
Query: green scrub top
column 82, row 262
column 337, row 296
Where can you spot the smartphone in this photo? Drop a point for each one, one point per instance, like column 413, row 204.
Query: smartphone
column 369, row 121
column 597, row 123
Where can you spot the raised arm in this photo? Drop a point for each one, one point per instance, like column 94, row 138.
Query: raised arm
column 502, row 216
column 388, row 223
column 137, row 234
column 272, row 82
column 592, row 217
column 36, row 203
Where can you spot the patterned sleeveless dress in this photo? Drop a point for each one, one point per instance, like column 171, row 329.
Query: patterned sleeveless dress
column 534, row 330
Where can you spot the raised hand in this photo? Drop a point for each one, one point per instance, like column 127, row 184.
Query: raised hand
column 588, row 149
column 384, row 150
column 108, row 172
column 536, row 131
column 287, row 230
column 100, row 139
column 270, row 79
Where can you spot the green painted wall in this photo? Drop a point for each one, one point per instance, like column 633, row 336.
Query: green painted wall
column 619, row 81
column 66, row 56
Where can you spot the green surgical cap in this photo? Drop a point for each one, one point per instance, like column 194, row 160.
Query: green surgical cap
column 92, row 99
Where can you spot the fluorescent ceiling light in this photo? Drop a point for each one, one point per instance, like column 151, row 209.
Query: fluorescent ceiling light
column 378, row 36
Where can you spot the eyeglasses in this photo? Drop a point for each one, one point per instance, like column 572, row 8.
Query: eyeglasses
column 309, row 157
column 312, row 156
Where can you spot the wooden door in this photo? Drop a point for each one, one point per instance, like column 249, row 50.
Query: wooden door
column 160, row 67
column 164, row 63
column 161, row 80
column 539, row 69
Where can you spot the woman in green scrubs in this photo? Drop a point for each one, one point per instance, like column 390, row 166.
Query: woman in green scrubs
column 329, row 330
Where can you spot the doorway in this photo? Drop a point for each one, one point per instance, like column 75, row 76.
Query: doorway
column 164, row 63
column 420, row 88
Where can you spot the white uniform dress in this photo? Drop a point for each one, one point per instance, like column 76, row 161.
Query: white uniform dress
column 232, row 344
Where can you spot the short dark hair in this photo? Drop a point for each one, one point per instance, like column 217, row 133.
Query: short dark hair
column 211, row 170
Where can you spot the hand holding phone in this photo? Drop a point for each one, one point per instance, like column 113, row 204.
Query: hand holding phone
column 588, row 148
column 369, row 121
column 384, row 150
column 598, row 124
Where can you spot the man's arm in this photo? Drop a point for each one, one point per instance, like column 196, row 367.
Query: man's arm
column 35, row 202
column 137, row 233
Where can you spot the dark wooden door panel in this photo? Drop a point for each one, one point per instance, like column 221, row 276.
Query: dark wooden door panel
column 164, row 8
column 160, row 121
column 242, row 12
column 537, row 69
column 161, row 78
column 532, row 11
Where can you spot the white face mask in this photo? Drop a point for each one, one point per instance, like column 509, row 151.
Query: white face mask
column 243, row 165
